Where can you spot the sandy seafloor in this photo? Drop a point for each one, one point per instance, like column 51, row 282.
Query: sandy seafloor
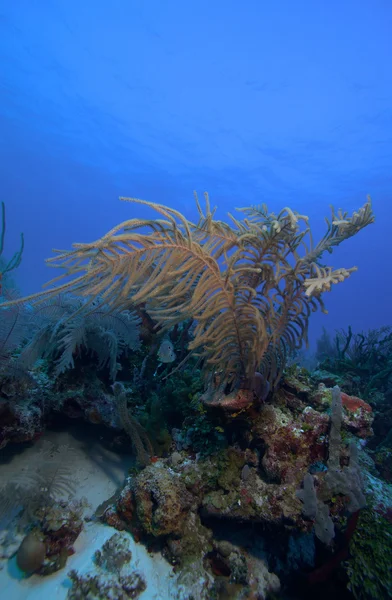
column 101, row 473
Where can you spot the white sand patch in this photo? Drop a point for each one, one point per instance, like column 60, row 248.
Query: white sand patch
column 101, row 473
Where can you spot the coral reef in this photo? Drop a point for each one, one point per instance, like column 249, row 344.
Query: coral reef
column 181, row 501
column 369, row 569
column 113, row 576
column 250, row 289
column 251, row 475
column 31, row 553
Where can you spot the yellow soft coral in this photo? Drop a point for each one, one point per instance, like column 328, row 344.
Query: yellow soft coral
column 249, row 287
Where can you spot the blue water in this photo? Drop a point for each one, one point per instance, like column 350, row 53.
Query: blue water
column 266, row 102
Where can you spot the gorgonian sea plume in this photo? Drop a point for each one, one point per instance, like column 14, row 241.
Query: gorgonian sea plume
column 249, row 284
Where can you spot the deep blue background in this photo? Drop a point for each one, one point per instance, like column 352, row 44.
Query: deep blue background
column 288, row 103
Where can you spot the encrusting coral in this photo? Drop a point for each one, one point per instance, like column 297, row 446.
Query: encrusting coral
column 250, row 287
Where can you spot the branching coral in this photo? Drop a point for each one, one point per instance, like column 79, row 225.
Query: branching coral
column 12, row 321
column 14, row 262
column 137, row 434
column 250, row 287
column 364, row 359
column 61, row 329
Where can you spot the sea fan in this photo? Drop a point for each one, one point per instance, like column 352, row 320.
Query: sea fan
column 62, row 328
column 49, row 477
column 250, row 287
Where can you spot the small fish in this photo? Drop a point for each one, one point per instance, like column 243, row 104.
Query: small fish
column 166, row 352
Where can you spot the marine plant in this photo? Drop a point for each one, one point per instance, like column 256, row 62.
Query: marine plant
column 139, row 438
column 365, row 358
column 51, row 477
column 13, row 321
column 59, row 329
column 369, row 569
column 8, row 266
column 249, row 286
